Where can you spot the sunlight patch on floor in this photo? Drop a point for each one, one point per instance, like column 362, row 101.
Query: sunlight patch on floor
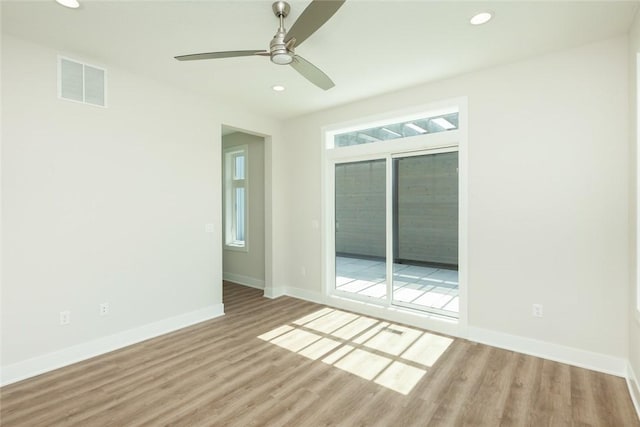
column 362, row 363
column 400, row 377
column 391, row 355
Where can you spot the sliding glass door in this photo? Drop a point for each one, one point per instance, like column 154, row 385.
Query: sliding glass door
column 360, row 229
column 396, row 230
column 425, row 232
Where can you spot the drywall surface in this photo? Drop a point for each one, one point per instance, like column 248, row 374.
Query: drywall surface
column 240, row 265
column 548, row 214
column 634, row 280
column 105, row 204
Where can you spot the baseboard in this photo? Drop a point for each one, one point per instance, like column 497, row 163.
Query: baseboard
column 244, row 280
column 305, row 294
column 38, row 365
column 275, row 292
column 546, row 350
column 634, row 388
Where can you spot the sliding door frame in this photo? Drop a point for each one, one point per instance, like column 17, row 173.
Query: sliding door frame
column 332, row 289
column 389, row 217
column 454, row 140
column 390, row 287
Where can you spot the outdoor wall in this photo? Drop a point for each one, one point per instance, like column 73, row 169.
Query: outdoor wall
column 106, row 205
column 247, row 267
column 426, row 228
column 427, row 220
column 360, row 209
column 548, row 194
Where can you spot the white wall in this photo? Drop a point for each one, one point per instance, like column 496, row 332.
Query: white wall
column 105, row 205
column 110, row 204
column 247, row 267
column 634, row 318
column 548, row 194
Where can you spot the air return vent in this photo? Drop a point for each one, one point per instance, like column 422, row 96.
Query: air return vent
column 81, row 82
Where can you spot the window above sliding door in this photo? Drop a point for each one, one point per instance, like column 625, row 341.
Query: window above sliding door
column 406, row 128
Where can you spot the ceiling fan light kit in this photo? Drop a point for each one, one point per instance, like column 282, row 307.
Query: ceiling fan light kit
column 281, row 54
column 282, row 46
column 72, row 4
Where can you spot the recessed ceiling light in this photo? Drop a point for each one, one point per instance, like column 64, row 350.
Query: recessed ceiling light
column 481, row 18
column 73, row 4
column 278, row 88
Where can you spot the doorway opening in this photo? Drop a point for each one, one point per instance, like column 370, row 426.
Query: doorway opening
column 243, row 208
column 394, row 217
column 424, row 235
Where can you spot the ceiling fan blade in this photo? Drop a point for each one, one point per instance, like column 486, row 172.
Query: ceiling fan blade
column 313, row 17
column 216, row 55
column 312, row 73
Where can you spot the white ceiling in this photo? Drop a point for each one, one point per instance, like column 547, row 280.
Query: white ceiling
column 367, row 48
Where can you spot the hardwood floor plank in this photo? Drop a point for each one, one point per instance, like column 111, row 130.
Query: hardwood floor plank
column 603, row 389
column 287, row 362
column 525, row 384
column 462, row 387
column 552, row 405
column 487, row 405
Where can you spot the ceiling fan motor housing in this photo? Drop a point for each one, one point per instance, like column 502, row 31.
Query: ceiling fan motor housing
column 280, row 54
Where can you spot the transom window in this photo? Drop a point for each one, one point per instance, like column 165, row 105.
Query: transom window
column 398, row 130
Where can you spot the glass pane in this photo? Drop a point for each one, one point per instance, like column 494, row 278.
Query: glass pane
column 71, row 80
column 360, row 239
column 435, row 124
column 240, row 213
column 94, row 85
column 238, row 167
column 425, row 253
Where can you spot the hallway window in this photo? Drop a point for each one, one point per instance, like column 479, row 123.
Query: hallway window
column 236, row 183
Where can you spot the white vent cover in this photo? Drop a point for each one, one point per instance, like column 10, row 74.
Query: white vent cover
column 81, row 82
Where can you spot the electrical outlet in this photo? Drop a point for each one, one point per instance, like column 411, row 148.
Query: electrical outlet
column 65, row 317
column 104, row 309
column 537, row 310
column 209, row 228
column 303, row 271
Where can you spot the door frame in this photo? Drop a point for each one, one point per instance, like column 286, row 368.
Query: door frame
column 390, row 286
column 268, row 207
column 429, row 143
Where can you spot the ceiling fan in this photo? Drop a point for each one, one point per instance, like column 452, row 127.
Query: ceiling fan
column 282, row 46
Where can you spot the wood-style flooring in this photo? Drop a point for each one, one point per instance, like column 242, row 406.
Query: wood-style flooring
column 290, row 362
